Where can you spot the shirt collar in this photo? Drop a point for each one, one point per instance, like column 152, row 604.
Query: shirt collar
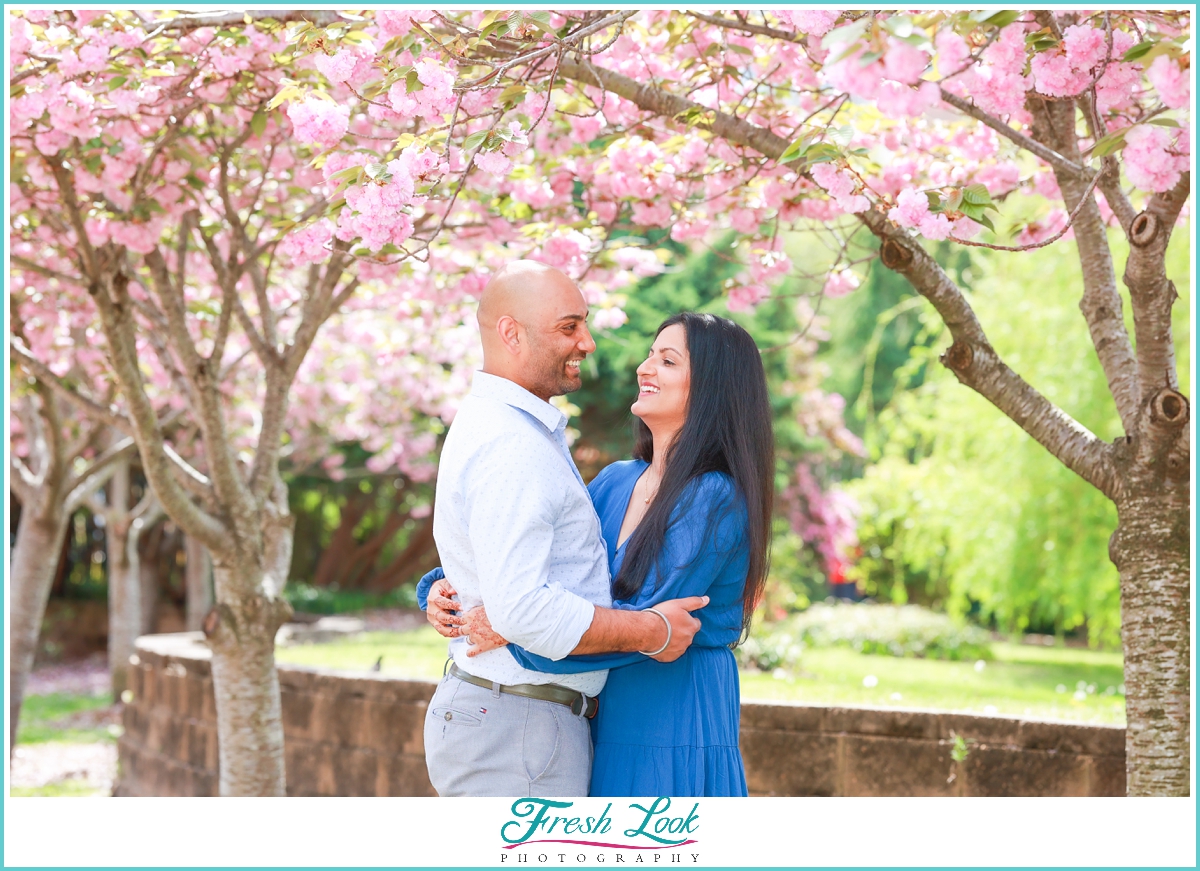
column 511, row 393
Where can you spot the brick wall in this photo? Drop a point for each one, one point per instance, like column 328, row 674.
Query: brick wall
column 361, row 734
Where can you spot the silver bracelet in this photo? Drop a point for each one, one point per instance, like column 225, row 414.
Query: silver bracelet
column 665, row 643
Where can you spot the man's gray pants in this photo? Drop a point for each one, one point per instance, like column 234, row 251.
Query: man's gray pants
column 481, row 742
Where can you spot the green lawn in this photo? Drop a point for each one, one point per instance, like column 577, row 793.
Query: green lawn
column 62, row 789
column 42, row 719
column 1021, row 680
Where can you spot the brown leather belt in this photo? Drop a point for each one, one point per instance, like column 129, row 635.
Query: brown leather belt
column 573, row 699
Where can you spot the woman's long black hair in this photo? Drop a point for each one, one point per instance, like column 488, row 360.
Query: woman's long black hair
column 727, row 429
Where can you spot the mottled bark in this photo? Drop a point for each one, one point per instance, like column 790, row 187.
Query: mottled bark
column 250, row 609
column 1100, row 302
column 1152, row 549
column 39, row 534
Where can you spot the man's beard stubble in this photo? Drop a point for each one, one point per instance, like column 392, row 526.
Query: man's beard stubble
column 548, row 372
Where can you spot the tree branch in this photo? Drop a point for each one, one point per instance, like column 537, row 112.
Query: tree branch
column 1047, row 154
column 116, row 316
column 1054, row 123
column 199, row 373
column 971, row 358
column 1151, row 293
column 97, row 474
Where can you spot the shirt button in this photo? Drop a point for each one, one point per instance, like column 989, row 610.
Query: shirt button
column 449, row 716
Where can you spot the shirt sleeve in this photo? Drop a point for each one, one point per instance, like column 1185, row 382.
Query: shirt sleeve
column 707, row 531
column 423, row 586
column 511, row 527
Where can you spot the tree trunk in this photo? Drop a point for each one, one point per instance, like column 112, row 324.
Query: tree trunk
column 148, row 581
column 250, row 609
column 1151, row 549
column 198, row 577
column 124, row 582
column 32, row 566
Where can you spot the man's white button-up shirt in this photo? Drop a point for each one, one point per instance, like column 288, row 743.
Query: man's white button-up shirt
column 517, row 532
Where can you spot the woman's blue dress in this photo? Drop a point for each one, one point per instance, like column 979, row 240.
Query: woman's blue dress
column 671, row 728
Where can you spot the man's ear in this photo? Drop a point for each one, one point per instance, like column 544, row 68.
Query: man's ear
column 509, row 332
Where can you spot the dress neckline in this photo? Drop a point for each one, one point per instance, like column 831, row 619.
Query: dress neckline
column 628, row 500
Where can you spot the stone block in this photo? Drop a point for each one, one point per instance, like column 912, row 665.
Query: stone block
column 354, row 771
column 149, row 678
column 877, row 766
column 895, row 723
column 1073, row 738
column 784, row 717
column 407, row 776
column 395, row 729
column 202, row 745
column 301, row 764
column 208, row 711
column 346, row 721
column 998, row 771
column 1107, row 776
column 297, row 678
column 193, row 693
column 297, row 709
column 1001, row 731
column 790, row 763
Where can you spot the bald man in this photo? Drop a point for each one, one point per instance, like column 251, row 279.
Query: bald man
column 517, row 534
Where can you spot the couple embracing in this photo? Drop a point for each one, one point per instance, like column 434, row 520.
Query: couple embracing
column 591, row 626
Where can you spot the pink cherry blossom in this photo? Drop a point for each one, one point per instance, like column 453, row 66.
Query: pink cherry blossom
column 319, row 122
column 840, row 282
column 1149, row 162
column 814, row 22
column 746, row 297
column 493, row 162
column 336, row 68
column 308, row 245
column 911, row 208
column 1172, row 83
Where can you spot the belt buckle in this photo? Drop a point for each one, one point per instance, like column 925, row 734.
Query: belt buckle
column 588, row 706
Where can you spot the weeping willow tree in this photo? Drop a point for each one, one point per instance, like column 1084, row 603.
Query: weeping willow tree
column 960, row 509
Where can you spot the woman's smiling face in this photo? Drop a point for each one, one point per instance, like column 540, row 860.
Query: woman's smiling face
column 664, row 381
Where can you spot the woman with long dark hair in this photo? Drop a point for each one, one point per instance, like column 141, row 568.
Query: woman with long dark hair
column 690, row 515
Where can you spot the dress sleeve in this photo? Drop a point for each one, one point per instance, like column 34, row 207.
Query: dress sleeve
column 706, row 533
column 424, row 585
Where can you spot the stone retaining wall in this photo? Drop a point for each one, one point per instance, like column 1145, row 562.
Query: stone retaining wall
column 361, row 734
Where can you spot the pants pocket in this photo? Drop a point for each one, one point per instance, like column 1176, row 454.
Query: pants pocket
column 454, row 716
column 543, row 738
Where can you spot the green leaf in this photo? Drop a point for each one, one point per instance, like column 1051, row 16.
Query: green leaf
column 474, row 140
column 935, row 201
column 1163, row 122
column 116, row 82
column 258, row 122
column 977, row 194
column 986, row 221
column 511, row 93
column 1002, row 19
column 822, row 152
column 840, row 135
column 1109, row 144
column 376, row 170
column 1138, row 51
column 795, row 150
column 349, row 173
column 412, row 83
column 496, row 28
column 953, row 200
column 740, row 49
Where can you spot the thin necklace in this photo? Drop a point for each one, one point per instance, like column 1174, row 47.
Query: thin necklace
column 651, row 496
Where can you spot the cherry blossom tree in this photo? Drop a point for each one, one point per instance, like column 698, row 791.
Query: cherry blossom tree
column 218, row 185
